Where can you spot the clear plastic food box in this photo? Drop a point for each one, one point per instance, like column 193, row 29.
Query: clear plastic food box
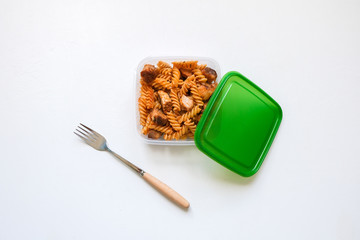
column 154, row 60
column 238, row 125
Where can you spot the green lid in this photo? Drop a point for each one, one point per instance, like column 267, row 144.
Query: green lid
column 238, row 125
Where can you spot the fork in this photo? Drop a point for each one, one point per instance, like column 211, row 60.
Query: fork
column 98, row 142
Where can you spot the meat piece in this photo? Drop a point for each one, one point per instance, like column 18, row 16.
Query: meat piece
column 185, row 72
column 187, row 103
column 148, row 73
column 154, row 134
column 165, row 101
column 210, row 74
column 158, row 117
column 206, row 90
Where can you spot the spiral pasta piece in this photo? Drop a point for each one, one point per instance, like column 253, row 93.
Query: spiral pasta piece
column 173, row 121
column 191, row 125
column 192, row 113
column 175, row 100
column 157, row 105
column 202, row 66
column 146, row 128
column 199, row 77
column 143, row 111
column 163, row 76
column 176, row 135
column 195, row 93
column 163, row 129
column 150, row 99
column 175, row 77
column 190, row 135
column 143, row 90
column 186, row 86
column 162, row 64
column 147, row 92
column 161, row 83
column 142, row 82
column 185, row 64
column 165, row 71
column 184, row 137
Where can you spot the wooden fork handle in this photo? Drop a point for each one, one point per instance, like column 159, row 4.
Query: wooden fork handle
column 166, row 190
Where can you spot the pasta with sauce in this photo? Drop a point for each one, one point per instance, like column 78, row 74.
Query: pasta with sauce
column 173, row 97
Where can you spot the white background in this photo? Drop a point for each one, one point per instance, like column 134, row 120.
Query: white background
column 65, row 62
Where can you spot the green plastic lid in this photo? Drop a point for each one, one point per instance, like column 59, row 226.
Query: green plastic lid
column 238, row 125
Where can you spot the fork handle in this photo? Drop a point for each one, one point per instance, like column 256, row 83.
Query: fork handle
column 166, row 190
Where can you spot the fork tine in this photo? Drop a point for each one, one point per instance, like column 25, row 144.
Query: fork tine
column 83, row 134
column 87, row 137
column 89, row 129
column 88, row 134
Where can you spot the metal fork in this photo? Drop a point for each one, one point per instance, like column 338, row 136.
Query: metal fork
column 98, row 142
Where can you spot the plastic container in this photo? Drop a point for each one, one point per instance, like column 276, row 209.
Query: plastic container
column 238, row 125
column 154, row 60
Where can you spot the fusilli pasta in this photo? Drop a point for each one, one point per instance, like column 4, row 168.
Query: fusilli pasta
column 165, row 71
column 186, row 64
column 161, row 83
column 202, row 66
column 162, row 64
column 195, row 94
column 163, row 129
column 157, row 105
column 192, row 113
column 191, row 125
column 172, row 98
column 186, row 86
column 173, row 121
column 143, row 111
column 150, row 98
column 175, row 77
column 145, row 129
column 199, row 76
column 176, row 135
column 175, row 100
column 163, row 76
